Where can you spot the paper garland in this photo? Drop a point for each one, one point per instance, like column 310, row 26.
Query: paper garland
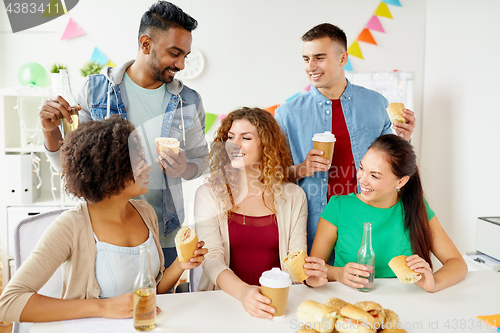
column 72, row 30
column 365, row 36
column 99, row 57
column 210, row 118
column 373, row 24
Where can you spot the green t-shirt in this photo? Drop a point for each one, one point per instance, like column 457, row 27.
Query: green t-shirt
column 389, row 237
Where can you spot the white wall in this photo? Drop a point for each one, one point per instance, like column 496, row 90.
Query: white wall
column 252, row 49
column 461, row 138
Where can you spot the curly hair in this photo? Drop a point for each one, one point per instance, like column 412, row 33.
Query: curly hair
column 276, row 157
column 96, row 158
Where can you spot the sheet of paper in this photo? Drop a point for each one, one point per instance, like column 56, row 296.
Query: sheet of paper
column 101, row 325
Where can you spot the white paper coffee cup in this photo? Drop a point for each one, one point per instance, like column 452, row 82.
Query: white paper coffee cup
column 326, row 143
column 275, row 284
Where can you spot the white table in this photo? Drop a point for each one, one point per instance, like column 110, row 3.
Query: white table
column 451, row 310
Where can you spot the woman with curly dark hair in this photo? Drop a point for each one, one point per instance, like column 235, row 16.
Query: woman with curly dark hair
column 97, row 242
column 248, row 213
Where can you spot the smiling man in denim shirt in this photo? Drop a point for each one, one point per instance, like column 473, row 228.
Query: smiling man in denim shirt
column 145, row 91
column 355, row 115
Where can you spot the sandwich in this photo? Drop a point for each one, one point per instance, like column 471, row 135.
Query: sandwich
column 305, row 329
column 404, row 273
column 167, row 143
column 395, row 112
column 316, row 316
column 393, row 330
column 391, row 319
column 375, row 309
column 335, row 303
column 186, row 242
column 354, row 320
column 294, row 265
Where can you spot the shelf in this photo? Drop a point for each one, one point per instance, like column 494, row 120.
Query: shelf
column 44, row 200
column 26, row 92
column 35, row 149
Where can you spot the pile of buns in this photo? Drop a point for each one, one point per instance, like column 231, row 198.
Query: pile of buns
column 337, row 315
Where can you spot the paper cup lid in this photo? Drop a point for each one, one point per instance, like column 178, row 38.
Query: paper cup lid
column 275, row 278
column 324, row 137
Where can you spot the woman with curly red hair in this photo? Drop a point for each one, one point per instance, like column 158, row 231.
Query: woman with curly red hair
column 248, row 213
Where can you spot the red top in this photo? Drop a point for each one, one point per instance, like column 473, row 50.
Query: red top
column 254, row 246
column 342, row 174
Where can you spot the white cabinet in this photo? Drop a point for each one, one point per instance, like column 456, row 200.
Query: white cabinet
column 29, row 184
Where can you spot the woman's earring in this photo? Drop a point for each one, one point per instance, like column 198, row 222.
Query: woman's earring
column 398, row 188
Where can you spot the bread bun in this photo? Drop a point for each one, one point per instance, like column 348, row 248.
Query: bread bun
column 335, row 303
column 294, row 265
column 375, row 309
column 404, row 273
column 391, row 319
column 395, row 112
column 316, row 316
column 186, row 242
column 167, row 143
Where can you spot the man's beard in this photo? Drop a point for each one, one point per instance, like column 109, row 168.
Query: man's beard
column 157, row 73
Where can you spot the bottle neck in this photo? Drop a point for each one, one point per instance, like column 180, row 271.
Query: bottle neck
column 145, row 279
column 367, row 236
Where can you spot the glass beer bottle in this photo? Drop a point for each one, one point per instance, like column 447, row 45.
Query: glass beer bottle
column 144, row 294
column 67, row 94
column 366, row 256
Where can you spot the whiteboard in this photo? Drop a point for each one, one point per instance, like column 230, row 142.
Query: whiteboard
column 396, row 86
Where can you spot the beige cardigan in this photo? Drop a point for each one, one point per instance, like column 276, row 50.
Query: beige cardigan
column 68, row 241
column 212, row 227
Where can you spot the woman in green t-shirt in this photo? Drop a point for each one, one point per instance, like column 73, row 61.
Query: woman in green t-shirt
column 392, row 200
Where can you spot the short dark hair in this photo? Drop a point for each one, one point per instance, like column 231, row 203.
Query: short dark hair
column 96, row 158
column 336, row 34
column 164, row 15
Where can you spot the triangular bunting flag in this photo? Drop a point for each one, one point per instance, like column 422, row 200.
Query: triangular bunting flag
column 99, row 57
column 392, row 2
column 210, row 118
column 111, row 64
column 221, row 117
column 383, row 11
column 355, row 51
column 272, row 109
column 72, row 30
column 366, row 36
column 308, row 88
column 292, row 97
column 54, row 8
column 493, row 320
column 348, row 66
column 374, row 24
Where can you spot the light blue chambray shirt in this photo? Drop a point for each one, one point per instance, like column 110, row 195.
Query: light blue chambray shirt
column 311, row 112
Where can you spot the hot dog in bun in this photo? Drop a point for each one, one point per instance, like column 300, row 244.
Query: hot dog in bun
column 354, row 320
column 186, row 242
column 395, row 112
column 404, row 273
column 294, row 265
column 375, row 309
column 317, row 316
